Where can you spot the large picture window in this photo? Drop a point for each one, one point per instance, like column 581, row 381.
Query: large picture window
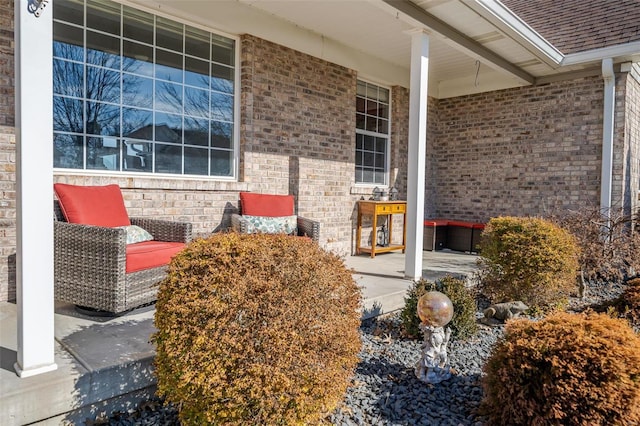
column 135, row 92
column 372, row 134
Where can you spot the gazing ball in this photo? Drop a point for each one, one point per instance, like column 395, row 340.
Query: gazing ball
column 435, row 309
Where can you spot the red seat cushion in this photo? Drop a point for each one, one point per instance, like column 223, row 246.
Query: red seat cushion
column 151, row 254
column 92, row 205
column 266, row 204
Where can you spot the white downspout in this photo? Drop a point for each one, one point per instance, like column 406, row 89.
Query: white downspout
column 607, row 136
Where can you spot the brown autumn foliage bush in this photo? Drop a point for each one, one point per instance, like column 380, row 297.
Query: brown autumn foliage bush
column 527, row 259
column 256, row 329
column 629, row 302
column 567, row 369
column 609, row 251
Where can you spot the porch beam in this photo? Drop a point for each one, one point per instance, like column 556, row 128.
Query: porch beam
column 465, row 42
column 34, row 187
column 417, row 153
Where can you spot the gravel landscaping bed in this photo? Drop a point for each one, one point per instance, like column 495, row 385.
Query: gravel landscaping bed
column 385, row 390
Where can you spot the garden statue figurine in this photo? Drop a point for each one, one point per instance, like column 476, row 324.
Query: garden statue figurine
column 435, row 311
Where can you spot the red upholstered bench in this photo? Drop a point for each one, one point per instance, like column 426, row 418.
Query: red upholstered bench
column 456, row 235
column 435, row 234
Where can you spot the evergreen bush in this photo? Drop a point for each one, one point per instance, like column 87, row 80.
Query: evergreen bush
column 567, row 369
column 463, row 324
column 256, row 329
column 528, row 259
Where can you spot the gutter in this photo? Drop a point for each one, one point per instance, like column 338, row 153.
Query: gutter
column 607, row 136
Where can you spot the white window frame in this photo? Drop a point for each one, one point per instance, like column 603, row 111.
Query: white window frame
column 234, row 175
column 387, row 136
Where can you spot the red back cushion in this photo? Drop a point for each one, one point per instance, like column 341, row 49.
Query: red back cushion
column 266, row 204
column 92, row 205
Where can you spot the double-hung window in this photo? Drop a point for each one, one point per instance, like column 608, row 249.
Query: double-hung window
column 372, row 134
column 136, row 92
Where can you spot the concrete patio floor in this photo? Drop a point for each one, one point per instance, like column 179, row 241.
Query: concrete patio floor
column 105, row 364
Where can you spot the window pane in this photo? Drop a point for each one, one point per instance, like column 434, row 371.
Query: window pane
column 137, row 91
column 221, row 163
column 196, row 161
column 137, row 124
column 103, row 84
column 197, row 43
column 103, row 16
column 137, row 25
column 379, row 177
column 367, row 175
column 69, row 10
column 168, row 97
column 168, row 66
column 361, row 88
column 379, row 161
column 383, row 126
column 68, row 115
column 196, row 102
column 103, row 119
column 383, row 95
column 125, row 79
column 169, row 34
column 369, row 143
column 221, row 78
column 222, row 50
column 138, row 156
column 221, row 107
column 196, row 72
column 372, row 91
column 381, row 145
column 168, row 128
column 68, row 42
column 372, row 124
column 68, row 78
column 368, row 158
column 196, row 131
column 221, row 135
column 103, row 50
column 103, row 153
column 360, row 121
column 168, row 159
column 383, row 110
column 67, row 151
column 138, row 58
column 360, row 105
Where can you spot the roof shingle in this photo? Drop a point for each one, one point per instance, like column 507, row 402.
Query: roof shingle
column 578, row 25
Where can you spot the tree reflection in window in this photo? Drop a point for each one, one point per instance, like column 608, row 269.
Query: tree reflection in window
column 123, row 104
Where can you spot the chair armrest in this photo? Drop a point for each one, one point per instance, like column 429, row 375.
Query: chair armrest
column 165, row 230
column 239, row 224
column 309, row 228
column 84, row 247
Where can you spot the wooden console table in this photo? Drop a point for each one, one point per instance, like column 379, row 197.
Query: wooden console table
column 381, row 208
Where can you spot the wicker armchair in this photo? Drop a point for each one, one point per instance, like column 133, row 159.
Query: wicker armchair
column 305, row 227
column 90, row 264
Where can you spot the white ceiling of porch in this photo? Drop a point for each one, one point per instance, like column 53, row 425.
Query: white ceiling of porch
column 374, row 29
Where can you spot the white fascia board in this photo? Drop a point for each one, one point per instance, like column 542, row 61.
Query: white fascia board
column 507, row 21
column 624, row 52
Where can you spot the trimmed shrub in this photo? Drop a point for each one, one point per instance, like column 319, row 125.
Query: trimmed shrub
column 463, row 324
column 256, row 329
column 528, row 259
column 567, row 369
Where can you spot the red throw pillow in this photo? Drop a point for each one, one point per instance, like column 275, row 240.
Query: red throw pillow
column 266, row 204
column 92, row 205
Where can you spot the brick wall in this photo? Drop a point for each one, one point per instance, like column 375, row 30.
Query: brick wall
column 6, row 64
column 522, row 151
column 632, row 135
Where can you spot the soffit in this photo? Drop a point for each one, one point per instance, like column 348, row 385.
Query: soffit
column 379, row 29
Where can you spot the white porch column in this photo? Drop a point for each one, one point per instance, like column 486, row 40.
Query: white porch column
column 417, row 153
column 34, row 188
